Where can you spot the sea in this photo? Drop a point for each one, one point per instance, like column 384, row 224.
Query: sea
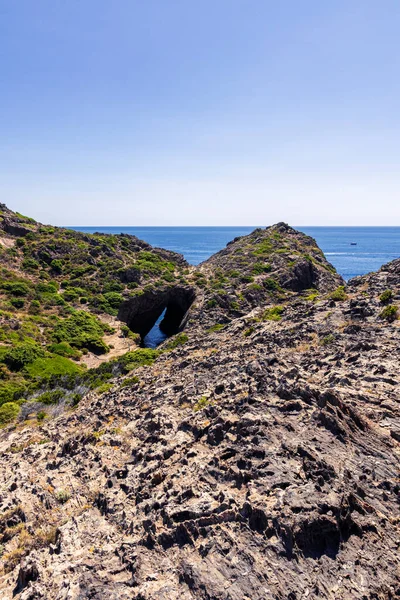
column 352, row 250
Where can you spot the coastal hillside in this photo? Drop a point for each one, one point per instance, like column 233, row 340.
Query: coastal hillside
column 254, row 455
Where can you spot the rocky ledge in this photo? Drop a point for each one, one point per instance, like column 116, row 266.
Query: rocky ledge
column 256, row 459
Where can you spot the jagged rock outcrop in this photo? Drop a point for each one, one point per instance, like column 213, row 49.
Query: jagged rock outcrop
column 257, row 461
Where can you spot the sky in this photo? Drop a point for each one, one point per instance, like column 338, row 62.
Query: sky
column 200, row 112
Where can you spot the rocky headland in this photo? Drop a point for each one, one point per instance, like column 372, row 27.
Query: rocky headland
column 253, row 456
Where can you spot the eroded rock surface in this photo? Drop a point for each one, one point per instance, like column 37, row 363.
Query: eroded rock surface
column 258, row 461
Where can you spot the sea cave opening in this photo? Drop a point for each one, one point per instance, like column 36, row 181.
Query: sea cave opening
column 156, row 315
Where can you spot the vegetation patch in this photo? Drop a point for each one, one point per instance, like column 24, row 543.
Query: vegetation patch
column 386, row 297
column 273, row 314
column 9, row 412
column 338, row 295
column 389, row 313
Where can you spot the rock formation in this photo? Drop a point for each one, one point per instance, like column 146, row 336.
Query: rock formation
column 259, row 460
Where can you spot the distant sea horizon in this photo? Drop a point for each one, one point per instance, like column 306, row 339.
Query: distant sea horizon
column 353, row 250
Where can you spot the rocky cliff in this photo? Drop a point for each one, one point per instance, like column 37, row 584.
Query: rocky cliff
column 254, row 456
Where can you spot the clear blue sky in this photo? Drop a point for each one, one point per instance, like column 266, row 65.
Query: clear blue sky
column 201, row 112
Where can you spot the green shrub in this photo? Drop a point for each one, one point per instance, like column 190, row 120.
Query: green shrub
column 247, row 278
column 10, row 391
column 386, row 297
column 130, row 381
column 30, row 264
column 139, row 358
column 9, row 412
column 248, row 332
column 389, row 313
column 17, row 302
column 216, row 327
column 70, row 295
column 16, row 288
column 201, row 403
column 271, row 285
column 50, row 397
column 76, row 398
column 114, row 299
column 81, row 330
column 105, row 387
column 64, row 349
column 57, row 266
column 339, row 294
column 47, row 288
column 259, row 268
column 62, row 496
column 178, row 340
column 328, row 339
column 273, row 314
column 53, row 366
column 22, row 355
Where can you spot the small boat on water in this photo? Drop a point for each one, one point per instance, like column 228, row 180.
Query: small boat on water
column 353, row 243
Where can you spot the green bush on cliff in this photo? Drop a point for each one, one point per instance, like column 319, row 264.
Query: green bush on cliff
column 65, row 349
column 17, row 302
column 178, row 340
column 9, row 412
column 138, row 358
column 16, row 288
column 82, row 330
column 273, row 314
column 10, row 391
column 339, row 295
column 22, row 355
column 389, row 313
column 50, row 397
column 386, row 297
column 259, row 268
column 52, row 366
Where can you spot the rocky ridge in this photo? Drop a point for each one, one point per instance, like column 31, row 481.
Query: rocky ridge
column 258, row 460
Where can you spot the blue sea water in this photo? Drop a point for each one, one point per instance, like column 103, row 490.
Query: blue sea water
column 374, row 247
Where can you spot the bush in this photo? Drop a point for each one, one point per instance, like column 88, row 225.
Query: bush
column 328, row 339
column 76, row 398
column 130, row 381
column 57, row 266
column 259, row 268
column 273, row 314
column 17, row 302
column 178, row 340
column 9, row 412
column 82, row 330
column 30, row 264
column 339, row 294
column 216, row 327
column 248, row 332
column 22, row 355
column 50, row 397
column 16, row 288
column 389, row 313
column 271, row 285
column 64, row 349
column 10, row 391
column 139, row 358
column 47, row 288
column 52, row 366
column 114, row 299
column 386, row 297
